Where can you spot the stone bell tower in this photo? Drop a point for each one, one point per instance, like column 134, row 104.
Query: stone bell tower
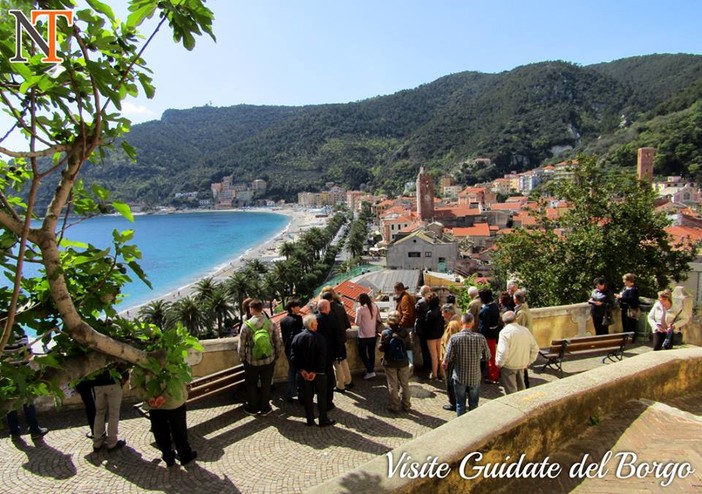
column 425, row 196
column 644, row 164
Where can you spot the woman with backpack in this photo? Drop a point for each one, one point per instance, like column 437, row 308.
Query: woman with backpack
column 394, row 342
column 367, row 314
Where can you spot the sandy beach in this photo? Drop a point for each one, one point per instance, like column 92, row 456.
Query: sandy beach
column 300, row 221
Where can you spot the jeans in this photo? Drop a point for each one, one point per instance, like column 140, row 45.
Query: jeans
column 366, row 350
column 317, row 386
column 293, row 387
column 85, row 388
column 170, row 427
column 258, row 402
column 461, row 390
column 30, row 414
column 450, row 387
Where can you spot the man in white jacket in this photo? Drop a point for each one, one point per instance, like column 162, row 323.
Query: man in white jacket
column 516, row 350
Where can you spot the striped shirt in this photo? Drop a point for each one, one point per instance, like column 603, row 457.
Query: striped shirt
column 465, row 350
column 17, row 350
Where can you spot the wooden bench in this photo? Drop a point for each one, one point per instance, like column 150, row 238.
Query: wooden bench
column 210, row 385
column 611, row 344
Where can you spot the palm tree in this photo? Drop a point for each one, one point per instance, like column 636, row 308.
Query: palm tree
column 187, row 311
column 289, row 272
column 272, row 288
column 255, row 266
column 204, row 288
column 155, row 312
column 220, row 307
column 287, row 249
column 239, row 286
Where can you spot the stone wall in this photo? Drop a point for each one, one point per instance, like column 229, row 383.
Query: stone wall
column 535, row 422
column 549, row 323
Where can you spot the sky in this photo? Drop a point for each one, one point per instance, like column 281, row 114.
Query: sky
column 284, row 52
column 300, row 52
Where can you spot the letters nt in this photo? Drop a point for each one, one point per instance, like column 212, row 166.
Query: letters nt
column 48, row 46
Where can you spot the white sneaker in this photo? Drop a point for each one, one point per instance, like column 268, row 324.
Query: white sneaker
column 369, row 375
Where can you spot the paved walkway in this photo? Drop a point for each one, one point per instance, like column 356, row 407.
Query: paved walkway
column 637, row 435
column 240, row 453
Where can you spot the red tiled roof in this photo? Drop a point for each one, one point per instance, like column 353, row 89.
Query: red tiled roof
column 685, row 233
column 520, row 199
column 477, row 230
column 505, row 206
column 398, row 209
column 276, row 318
column 525, row 218
column 399, row 219
column 350, row 290
column 412, row 226
column 472, row 190
column 456, row 211
column 553, row 213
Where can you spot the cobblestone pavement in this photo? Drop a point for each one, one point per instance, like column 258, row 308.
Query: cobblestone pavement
column 241, row 453
column 637, row 435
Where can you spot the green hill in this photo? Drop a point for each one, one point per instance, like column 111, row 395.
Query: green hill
column 519, row 118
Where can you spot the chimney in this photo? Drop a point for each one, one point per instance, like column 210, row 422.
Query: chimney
column 644, row 164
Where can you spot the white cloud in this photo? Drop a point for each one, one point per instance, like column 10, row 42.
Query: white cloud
column 137, row 112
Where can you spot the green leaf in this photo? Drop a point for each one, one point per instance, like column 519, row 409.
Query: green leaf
column 73, row 243
column 139, row 272
column 101, row 193
column 129, row 150
column 103, row 8
column 124, row 209
column 140, row 13
column 122, row 237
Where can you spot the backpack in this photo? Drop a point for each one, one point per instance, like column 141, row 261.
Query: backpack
column 262, row 345
column 395, row 350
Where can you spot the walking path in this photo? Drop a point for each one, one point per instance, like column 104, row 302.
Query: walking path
column 278, row 453
column 638, row 435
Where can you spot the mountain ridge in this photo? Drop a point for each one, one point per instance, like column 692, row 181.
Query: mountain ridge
column 516, row 118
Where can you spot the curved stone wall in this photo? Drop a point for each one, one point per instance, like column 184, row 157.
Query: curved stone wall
column 534, row 422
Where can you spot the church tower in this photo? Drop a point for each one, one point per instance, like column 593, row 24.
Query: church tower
column 425, row 196
column 644, row 165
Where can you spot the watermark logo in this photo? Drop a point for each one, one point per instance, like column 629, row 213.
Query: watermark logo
column 48, row 45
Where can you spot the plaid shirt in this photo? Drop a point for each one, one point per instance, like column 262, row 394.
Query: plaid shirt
column 465, row 350
column 246, row 342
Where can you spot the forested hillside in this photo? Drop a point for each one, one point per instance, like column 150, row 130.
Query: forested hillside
column 519, row 118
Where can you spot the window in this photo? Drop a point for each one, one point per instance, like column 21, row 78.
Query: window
column 414, row 254
column 427, row 254
column 442, row 259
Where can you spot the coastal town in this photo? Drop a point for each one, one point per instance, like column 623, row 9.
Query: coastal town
column 451, row 229
column 333, row 247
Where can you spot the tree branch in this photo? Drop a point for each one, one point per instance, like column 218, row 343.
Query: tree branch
column 128, row 70
column 59, row 148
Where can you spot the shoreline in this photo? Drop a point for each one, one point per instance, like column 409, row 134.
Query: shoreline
column 300, row 220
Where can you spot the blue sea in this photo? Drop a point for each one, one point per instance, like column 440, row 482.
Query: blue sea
column 179, row 249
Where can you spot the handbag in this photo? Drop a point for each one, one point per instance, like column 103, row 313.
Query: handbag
column 379, row 326
column 607, row 319
column 632, row 313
